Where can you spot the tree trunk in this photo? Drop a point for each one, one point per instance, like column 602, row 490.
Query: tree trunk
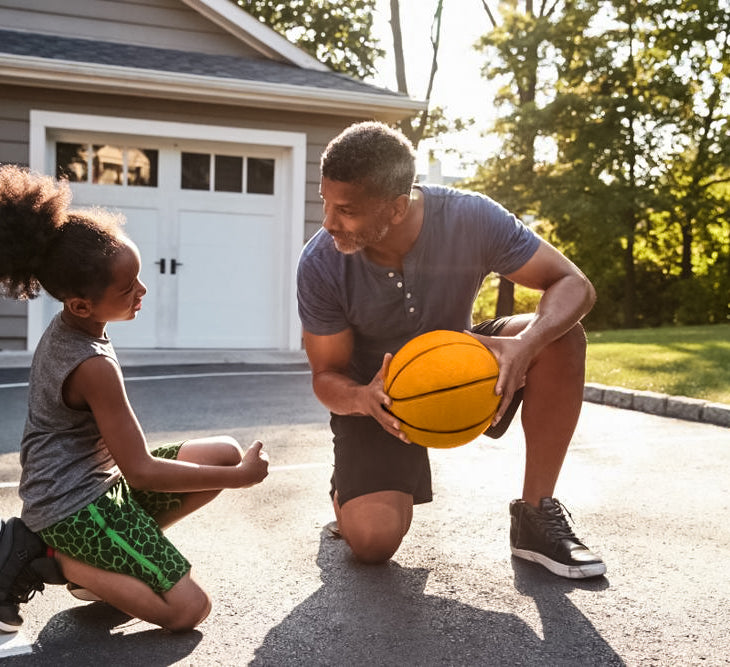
column 687, row 250
column 630, row 276
column 505, row 297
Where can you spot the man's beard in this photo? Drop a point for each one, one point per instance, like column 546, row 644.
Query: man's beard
column 348, row 243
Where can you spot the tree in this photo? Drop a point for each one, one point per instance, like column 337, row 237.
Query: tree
column 518, row 49
column 431, row 121
column 617, row 116
column 338, row 33
column 703, row 27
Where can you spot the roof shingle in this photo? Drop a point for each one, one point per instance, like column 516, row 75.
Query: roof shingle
column 181, row 62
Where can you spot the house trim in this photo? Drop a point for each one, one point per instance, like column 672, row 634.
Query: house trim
column 92, row 77
column 295, row 143
column 254, row 33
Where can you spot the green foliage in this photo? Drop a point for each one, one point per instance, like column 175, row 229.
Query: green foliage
column 338, row 33
column 485, row 305
column 614, row 119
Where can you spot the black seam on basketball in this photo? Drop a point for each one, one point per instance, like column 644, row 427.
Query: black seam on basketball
column 436, row 347
column 460, row 430
column 444, row 389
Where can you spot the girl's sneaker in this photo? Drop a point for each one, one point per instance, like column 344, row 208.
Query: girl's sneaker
column 18, row 548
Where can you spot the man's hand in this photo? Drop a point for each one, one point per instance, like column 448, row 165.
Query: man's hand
column 377, row 402
column 514, row 357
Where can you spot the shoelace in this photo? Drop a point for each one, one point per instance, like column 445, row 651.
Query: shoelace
column 553, row 518
column 26, row 584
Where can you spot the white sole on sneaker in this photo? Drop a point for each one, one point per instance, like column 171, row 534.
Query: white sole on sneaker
column 569, row 571
column 6, row 628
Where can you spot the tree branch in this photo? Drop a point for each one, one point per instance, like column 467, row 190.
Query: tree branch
column 435, row 42
column 489, row 13
column 400, row 67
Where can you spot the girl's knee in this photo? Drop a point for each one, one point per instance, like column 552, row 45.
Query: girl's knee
column 188, row 610
column 214, row 450
column 231, row 450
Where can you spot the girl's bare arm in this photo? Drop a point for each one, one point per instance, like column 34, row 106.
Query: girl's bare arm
column 97, row 385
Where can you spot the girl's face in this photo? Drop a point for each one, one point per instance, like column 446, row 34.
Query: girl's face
column 123, row 298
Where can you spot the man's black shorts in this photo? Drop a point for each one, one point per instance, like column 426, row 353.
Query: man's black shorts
column 368, row 459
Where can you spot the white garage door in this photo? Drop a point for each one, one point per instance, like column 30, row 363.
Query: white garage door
column 209, row 220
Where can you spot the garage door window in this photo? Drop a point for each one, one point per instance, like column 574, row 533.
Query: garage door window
column 260, row 176
column 225, row 173
column 105, row 164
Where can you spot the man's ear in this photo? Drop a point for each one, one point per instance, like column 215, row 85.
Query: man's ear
column 400, row 208
column 78, row 307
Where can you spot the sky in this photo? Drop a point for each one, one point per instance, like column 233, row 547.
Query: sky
column 458, row 87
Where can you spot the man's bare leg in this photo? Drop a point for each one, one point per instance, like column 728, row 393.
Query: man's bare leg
column 375, row 524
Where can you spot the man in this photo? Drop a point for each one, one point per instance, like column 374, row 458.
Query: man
column 393, row 261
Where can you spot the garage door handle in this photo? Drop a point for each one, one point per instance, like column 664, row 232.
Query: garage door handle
column 173, row 265
column 161, row 264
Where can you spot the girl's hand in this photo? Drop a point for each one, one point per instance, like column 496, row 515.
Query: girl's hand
column 254, row 465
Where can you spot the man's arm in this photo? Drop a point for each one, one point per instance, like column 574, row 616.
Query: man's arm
column 329, row 359
column 567, row 297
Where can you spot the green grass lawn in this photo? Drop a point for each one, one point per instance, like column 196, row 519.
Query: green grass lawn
column 680, row 361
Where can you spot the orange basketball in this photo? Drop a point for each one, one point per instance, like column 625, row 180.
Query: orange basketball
column 442, row 388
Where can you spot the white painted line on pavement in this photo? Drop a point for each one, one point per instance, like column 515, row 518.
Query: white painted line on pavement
column 212, row 375
column 284, row 468
column 14, row 644
column 299, row 466
column 182, row 376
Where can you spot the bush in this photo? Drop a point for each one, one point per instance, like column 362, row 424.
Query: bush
column 485, row 305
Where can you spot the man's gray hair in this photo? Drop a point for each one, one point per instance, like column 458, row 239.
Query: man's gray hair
column 374, row 155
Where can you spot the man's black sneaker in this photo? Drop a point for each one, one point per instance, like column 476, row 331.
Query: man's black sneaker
column 543, row 536
column 18, row 548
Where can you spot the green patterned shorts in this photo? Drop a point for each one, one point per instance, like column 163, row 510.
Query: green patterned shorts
column 118, row 533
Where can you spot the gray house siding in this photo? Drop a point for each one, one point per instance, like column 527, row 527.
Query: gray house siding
column 168, row 24
column 184, row 61
column 16, row 103
column 12, row 324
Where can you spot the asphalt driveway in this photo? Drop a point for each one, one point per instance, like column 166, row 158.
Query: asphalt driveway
column 650, row 493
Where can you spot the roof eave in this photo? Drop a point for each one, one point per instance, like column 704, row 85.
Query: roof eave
column 90, row 77
column 254, row 33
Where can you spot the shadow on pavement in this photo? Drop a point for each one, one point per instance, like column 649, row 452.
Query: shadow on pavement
column 380, row 615
column 568, row 636
column 86, row 635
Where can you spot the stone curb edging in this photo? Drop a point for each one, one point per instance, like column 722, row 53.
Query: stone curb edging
column 664, row 405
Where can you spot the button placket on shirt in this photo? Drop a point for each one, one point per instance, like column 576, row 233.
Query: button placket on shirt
column 399, row 283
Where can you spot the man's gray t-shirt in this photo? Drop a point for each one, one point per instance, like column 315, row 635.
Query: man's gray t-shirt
column 465, row 236
column 65, row 463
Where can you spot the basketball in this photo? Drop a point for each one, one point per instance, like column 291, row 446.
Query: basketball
column 441, row 385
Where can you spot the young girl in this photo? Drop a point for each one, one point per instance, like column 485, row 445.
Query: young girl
column 90, row 487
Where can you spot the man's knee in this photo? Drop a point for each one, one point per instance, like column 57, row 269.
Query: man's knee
column 373, row 544
column 570, row 348
column 574, row 344
column 374, row 525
